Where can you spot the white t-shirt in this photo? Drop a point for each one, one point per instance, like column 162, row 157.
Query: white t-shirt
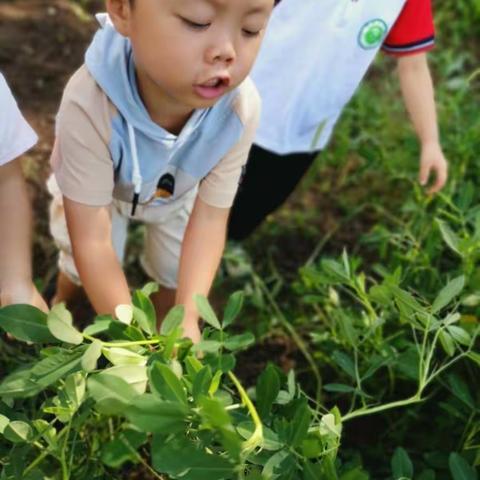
column 16, row 135
column 313, row 57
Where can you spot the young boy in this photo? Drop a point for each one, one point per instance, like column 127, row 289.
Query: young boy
column 329, row 46
column 155, row 126
column 16, row 137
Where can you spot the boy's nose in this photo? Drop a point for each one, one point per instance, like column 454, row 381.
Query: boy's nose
column 223, row 52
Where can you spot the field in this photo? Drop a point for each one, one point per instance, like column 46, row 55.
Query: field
column 350, row 349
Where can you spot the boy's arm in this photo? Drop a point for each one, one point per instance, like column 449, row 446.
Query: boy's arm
column 15, row 258
column 202, row 250
column 95, row 258
column 204, row 238
column 419, row 97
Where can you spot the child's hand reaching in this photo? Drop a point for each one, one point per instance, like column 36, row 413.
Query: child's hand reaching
column 192, row 330
column 432, row 160
column 22, row 292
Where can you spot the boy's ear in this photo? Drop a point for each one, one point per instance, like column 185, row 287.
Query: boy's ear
column 120, row 13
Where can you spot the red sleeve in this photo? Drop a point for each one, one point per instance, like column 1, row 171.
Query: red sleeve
column 413, row 32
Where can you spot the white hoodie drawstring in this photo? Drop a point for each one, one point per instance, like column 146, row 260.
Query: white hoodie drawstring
column 136, row 174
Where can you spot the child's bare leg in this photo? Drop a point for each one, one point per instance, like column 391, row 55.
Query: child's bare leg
column 66, row 290
column 163, row 301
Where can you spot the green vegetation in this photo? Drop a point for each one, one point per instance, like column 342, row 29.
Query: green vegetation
column 371, row 288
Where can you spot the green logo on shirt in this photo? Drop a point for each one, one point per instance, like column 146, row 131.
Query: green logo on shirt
column 372, row 34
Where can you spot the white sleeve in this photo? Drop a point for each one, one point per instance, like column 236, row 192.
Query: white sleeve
column 16, row 135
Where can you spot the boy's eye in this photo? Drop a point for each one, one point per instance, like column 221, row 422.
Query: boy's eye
column 195, row 25
column 251, row 33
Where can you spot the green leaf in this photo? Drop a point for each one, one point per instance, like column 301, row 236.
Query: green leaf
column 233, row 308
column 122, row 449
column 271, row 442
column 18, row 432
column 406, row 301
column 356, row 474
column 472, row 300
column 112, row 394
column 124, row 313
column 226, row 362
column 448, row 293
column 239, row 342
column 134, row 375
column 474, row 357
column 268, row 387
column 121, row 331
column 202, row 383
column 26, row 323
column 300, row 424
column 47, row 432
column 206, row 311
column 215, row 383
column 335, row 271
column 170, row 343
column 344, row 362
column 213, row 412
column 339, row 387
column 74, row 389
column 180, row 456
column 150, row 414
column 426, row 475
column 144, row 312
column 193, row 366
column 450, row 238
column 91, row 356
column 402, row 466
column 19, row 385
column 460, row 390
column 166, row 384
column 207, row 346
column 150, row 288
column 101, row 324
column 274, row 461
column 330, row 425
column 347, row 329
column 123, row 356
column 447, row 343
column 53, row 368
column 380, row 294
column 173, row 320
column 460, row 335
column 4, row 421
column 460, row 468
column 60, row 324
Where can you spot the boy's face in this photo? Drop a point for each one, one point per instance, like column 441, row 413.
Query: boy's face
column 192, row 51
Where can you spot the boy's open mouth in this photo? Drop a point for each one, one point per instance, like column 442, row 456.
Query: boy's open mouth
column 213, row 88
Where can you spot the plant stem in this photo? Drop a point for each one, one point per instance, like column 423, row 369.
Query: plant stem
column 388, row 406
column 65, row 473
column 44, row 454
column 123, row 344
column 257, row 437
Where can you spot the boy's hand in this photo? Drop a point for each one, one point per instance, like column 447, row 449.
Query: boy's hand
column 22, row 293
column 432, row 160
column 191, row 330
